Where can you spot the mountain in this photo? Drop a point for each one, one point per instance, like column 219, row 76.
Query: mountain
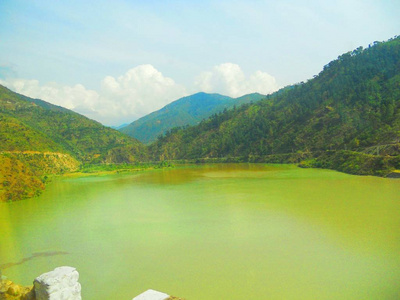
column 352, row 105
column 39, row 139
column 182, row 112
column 120, row 126
column 34, row 125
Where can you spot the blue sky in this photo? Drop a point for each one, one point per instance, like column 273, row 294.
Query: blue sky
column 116, row 61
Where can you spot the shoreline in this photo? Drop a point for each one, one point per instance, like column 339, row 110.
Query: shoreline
column 348, row 162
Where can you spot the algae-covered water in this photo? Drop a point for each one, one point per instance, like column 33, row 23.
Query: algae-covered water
column 212, row 232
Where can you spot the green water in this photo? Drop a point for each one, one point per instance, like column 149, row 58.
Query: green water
column 213, row 232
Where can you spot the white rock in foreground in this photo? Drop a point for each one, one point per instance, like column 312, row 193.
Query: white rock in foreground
column 152, row 295
column 60, row 284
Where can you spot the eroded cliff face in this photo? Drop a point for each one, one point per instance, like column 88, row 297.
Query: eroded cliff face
column 24, row 174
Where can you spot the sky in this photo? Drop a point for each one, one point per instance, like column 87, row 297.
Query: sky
column 116, row 61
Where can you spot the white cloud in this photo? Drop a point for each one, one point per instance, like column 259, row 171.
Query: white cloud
column 138, row 92
column 229, row 79
column 69, row 97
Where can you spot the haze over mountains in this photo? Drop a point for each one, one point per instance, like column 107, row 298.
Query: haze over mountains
column 188, row 110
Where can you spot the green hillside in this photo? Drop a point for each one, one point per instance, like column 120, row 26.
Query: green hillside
column 185, row 111
column 35, row 125
column 352, row 105
column 38, row 139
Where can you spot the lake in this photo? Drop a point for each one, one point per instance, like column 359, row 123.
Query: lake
column 228, row 231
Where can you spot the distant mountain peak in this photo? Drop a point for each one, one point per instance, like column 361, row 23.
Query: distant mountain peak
column 188, row 110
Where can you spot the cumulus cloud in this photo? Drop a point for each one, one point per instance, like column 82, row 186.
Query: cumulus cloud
column 229, row 79
column 138, row 92
column 71, row 97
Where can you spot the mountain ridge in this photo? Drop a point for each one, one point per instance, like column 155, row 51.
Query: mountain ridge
column 346, row 118
column 38, row 139
column 60, row 129
column 184, row 111
column 353, row 104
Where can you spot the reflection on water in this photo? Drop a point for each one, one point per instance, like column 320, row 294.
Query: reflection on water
column 232, row 231
column 33, row 256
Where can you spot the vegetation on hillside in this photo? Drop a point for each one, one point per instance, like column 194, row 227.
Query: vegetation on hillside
column 347, row 118
column 353, row 104
column 189, row 110
column 16, row 136
column 38, row 139
column 24, row 174
column 35, row 125
column 354, row 162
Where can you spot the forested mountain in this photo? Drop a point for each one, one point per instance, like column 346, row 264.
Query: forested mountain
column 38, row 139
column 353, row 104
column 34, row 125
column 188, row 110
column 347, row 118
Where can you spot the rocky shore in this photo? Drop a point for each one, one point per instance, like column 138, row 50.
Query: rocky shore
column 12, row 291
column 60, row 284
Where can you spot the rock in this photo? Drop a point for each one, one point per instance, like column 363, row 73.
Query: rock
column 152, row 295
column 30, row 295
column 4, row 285
column 60, row 284
column 13, row 290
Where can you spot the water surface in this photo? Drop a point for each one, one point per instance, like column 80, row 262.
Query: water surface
column 213, row 232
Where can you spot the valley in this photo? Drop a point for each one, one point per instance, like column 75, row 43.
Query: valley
column 199, row 150
column 347, row 118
